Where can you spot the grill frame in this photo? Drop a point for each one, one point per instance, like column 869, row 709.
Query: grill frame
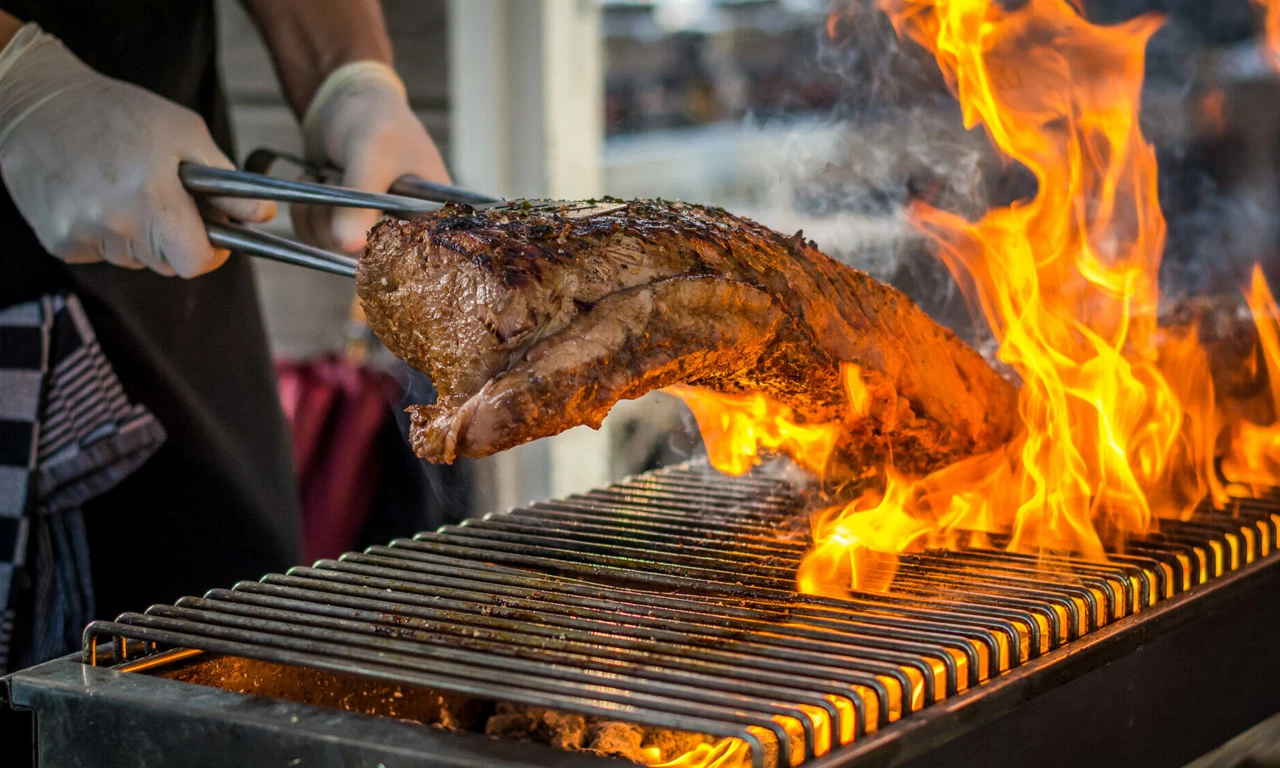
column 706, row 537
column 92, row 716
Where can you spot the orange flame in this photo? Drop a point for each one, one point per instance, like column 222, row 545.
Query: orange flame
column 719, row 754
column 1066, row 280
column 856, row 546
column 1270, row 31
column 733, row 752
column 1253, row 456
column 737, row 429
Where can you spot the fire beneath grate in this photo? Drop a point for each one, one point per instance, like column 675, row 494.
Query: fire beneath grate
column 666, row 602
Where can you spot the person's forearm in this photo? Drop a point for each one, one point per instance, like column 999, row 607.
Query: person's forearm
column 9, row 27
column 310, row 38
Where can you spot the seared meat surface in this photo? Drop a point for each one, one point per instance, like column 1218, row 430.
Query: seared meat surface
column 532, row 322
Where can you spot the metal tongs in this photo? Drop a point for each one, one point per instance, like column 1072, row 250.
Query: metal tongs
column 408, row 197
column 203, row 180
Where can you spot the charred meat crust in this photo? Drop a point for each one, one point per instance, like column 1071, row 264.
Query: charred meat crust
column 532, row 322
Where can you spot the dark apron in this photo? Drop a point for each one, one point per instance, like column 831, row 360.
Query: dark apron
column 218, row 502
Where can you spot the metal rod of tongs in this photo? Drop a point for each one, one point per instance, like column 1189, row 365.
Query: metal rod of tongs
column 261, row 161
column 409, row 196
column 255, row 242
column 203, row 180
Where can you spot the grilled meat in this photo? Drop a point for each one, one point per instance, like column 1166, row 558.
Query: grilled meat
column 532, row 322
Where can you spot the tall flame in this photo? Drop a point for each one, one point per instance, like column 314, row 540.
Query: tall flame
column 1066, row 280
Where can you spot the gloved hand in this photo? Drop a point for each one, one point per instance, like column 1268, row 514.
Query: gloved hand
column 92, row 164
column 360, row 121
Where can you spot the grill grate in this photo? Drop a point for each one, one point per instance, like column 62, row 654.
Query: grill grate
column 667, row 601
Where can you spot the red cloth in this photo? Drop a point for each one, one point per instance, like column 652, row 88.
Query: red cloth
column 335, row 411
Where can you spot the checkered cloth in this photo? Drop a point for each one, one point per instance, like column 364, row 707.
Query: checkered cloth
column 67, row 434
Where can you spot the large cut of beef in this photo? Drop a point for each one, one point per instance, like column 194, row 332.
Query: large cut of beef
column 531, row 322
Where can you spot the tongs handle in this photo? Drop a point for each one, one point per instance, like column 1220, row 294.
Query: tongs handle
column 260, row 161
column 203, row 180
column 237, row 237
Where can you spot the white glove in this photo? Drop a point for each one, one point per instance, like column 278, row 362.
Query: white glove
column 360, row 121
column 92, row 164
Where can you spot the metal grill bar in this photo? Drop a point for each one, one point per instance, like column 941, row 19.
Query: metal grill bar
column 667, row 601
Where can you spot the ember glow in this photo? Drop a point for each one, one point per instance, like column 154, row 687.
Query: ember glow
column 1120, row 424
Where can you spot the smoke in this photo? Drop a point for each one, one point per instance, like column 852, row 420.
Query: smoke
column 1216, row 231
column 1217, row 170
column 895, row 134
